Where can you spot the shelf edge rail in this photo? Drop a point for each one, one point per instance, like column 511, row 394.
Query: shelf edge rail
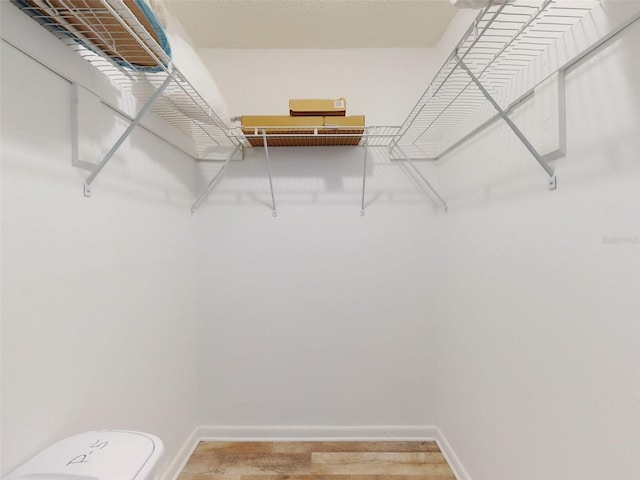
column 458, row 58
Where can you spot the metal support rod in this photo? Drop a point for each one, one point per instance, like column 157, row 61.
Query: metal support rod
column 454, row 55
column 213, row 181
column 516, row 130
column 124, row 136
column 364, row 176
column 266, row 151
column 74, row 124
column 459, row 59
column 423, row 178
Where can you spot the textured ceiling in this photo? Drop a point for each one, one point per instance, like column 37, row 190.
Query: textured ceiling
column 313, row 23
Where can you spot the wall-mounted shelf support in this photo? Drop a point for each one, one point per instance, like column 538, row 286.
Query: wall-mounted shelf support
column 213, row 181
column 422, row 177
column 124, row 136
column 543, row 163
column 511, row 47
column 266, row 152
column 364, row 176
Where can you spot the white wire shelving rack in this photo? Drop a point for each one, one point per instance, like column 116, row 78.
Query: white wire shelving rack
column 504, row 41
column 91, row 27
column 300, row 136
column 106, row 32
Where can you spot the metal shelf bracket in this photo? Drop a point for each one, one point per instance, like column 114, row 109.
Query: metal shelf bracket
column 213, row 181
column 543, row 163
column 364, row 177
column 423, row 178
column 266, row 152
column 124, row 136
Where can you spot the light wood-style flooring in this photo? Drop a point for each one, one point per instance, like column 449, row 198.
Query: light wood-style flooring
column 317, row 461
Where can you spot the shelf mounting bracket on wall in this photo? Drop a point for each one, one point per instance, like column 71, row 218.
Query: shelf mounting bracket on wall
column 543, row 163
column 124, row 136
column 266, row 152
column 422, row 177
column 213, row 181
column 364, row 175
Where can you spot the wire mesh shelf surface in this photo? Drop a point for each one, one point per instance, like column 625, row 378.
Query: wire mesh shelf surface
column 504, row 40
column 502, row 43
column 299, row 136
column 115, row 41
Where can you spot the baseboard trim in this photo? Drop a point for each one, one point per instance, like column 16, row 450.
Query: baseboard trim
column 173, row 470
column 311, row 433
column 452, row 459
column 260, row 433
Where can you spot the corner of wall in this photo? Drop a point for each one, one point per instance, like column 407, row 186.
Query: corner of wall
column 313, row 433
column 174, row 466
column 450, row 455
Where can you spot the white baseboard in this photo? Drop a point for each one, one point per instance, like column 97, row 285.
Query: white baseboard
column 172, row 471
column 255, row 433
column 452, row 459
column 311, row 433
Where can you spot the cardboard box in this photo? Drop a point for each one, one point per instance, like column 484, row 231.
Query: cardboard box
column 281, row 130
column 318, row 107
column 341, row 134
column 350, row 121
column 286, row 131
column 280, row 121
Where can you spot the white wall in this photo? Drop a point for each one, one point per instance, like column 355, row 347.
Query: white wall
column 510, row 322
column 339, row 315
column 538, row 330
column 98, row 295
column 531, row 296
column 382, row 84
column 319, row 316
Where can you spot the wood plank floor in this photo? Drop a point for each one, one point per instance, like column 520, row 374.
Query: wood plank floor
column 317, row 461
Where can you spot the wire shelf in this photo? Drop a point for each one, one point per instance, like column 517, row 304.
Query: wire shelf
column 108, row 35
column 373, row 136
column 502, row 43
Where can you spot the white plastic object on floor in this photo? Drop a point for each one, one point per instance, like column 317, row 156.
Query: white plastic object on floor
column 100, row 455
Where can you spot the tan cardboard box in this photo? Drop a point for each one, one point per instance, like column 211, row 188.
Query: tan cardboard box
column 340, row 134
column 286, row 131
column 350, row 121
column 280, row 121
column 317, row 107
column 281, row 130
